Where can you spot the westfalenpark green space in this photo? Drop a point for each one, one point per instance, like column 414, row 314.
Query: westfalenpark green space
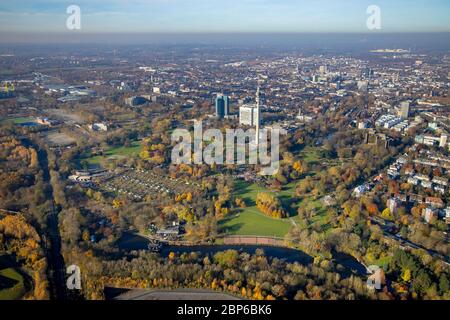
column 251, row 221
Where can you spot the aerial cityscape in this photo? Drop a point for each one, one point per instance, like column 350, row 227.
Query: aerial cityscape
column 158, row 158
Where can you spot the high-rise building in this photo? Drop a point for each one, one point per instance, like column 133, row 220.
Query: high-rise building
column 404, row 110
column 222, row 106
column 443, row 141
column 247, row 115
column 363, row 85
column 250, row 114
column 258, row 114
column 367, row 73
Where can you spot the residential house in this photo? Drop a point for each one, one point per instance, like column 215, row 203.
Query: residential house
column 434, row 202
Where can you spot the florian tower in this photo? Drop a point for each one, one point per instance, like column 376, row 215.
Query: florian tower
column 258, row 114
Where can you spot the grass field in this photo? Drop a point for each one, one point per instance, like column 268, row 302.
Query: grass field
column 124, row 117
column 12, row 286
column 310, row 155
column 313, row 156
column 381, row 262
column 18, row 120
column 120, row 152
column 250, row 221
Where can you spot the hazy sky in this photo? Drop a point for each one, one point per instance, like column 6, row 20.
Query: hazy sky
column 224, row 15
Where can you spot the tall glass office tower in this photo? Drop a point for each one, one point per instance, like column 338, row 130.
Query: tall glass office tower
column 222, row 106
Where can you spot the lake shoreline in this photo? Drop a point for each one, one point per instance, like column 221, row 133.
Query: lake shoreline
column 134, row 242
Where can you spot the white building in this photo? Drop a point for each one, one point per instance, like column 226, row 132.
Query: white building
column 441, row 181
column 360, row 190
column 393, row 204
column 413, row 181
column 443, row 141
column 426, row 184
column 429, row 214
column 363, row 125
column 76, row 178
column 447, row 215
column 404, row 110
column 248, row 115
column 98, row 127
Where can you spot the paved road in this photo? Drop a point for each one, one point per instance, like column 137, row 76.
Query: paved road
column 177, row 294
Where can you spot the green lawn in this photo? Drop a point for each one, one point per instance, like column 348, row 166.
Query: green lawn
column 382, row 262
column 124, row 117
column 311, row 155
column 18, row 120
column 119, row 152
column 12, row 286
column 250, row 221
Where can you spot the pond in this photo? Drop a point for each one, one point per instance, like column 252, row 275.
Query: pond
column 348, row 264
column 28, row 124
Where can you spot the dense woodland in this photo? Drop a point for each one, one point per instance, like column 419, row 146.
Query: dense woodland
column 23, row 189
